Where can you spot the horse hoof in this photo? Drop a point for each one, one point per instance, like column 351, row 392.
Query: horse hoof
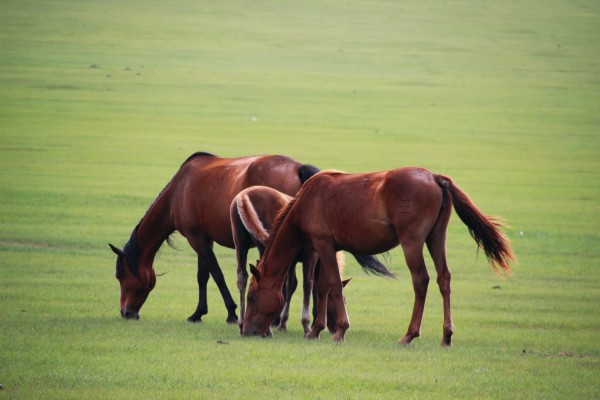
column 404, row 342
column 194, row 319
column 338, row 339
column 282, row 328
column 232, row 319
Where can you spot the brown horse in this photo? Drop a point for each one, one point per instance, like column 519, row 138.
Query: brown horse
column 196, row 203
column 371, row 213
column 252, row 214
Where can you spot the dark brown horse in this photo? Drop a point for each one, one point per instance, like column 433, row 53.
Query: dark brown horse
column 252, row 214
column 196, row 203
column 369, row 214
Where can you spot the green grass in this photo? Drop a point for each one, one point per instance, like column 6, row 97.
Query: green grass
column 100, row 102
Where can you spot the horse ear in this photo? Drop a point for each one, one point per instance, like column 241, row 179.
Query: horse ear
column 116, row 250
column 347, row 281
column 255, row 272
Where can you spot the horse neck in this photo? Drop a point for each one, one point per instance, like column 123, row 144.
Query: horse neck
column 280, row 253
column 154, row 228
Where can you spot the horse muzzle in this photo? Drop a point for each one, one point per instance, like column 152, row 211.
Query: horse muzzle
column 128, row 314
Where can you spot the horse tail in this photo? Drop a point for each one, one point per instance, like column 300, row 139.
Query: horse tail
column 370, row 264
column 306, row 171
column 484, row 229
column 250, row 219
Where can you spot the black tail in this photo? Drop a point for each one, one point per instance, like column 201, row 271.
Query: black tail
column 306, row 171
column 483, row 228
column 370, row 264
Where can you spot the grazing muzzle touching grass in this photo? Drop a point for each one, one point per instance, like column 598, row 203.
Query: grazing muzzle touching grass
column 270, row 303
column 136, row 285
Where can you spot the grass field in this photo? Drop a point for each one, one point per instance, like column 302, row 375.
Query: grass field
column 100, row 102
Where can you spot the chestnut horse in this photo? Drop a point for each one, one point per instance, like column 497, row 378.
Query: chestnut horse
column 370, row 213
column 196, row 203
column 252, row 214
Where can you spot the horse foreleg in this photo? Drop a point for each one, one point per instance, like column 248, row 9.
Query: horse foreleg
column 320, row 321
column 308, row 272
column 291, row 285
column 330, row 271
column 413, row 253
column 202, row 277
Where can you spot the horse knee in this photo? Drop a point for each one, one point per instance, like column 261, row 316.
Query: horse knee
column 443, row 282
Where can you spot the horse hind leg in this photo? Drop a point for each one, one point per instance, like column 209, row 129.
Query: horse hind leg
column 241, row 253
column 413, row 254
column 217, row 275
column 436, row 243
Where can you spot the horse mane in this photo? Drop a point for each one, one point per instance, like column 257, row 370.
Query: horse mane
column 132, row 252
column 131, row 249
column 197, row 154
column 286, row 210
column 277, row 223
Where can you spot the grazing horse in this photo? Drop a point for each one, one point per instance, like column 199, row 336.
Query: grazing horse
column 252, row 214
column 196, row 203
column 371, row 213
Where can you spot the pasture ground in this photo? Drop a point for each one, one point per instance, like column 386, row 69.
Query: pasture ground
column 100, row 102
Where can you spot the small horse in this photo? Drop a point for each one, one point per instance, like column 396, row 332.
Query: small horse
column 196, row 203
column 371, row 213
column 252, row 214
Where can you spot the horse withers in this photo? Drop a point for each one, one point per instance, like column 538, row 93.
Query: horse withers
column 196, row 203
column 368, row 214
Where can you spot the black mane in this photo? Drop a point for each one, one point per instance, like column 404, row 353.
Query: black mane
column 131, row 248
column 132, row 252
column 197, row 154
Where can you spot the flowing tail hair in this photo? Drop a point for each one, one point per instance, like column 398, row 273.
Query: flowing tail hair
column 372, row 265
column 485, row 230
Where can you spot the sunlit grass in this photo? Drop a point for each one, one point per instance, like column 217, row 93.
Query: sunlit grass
column 100, row 102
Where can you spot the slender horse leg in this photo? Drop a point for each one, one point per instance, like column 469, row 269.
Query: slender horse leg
column 241, row 254
column 330, row 271
column 207, row 263
column 202, row 276
column 217, row 275
column 308, row 271
column 413, row 253
column 291, row 285
column 436, row 243
column 320, row 321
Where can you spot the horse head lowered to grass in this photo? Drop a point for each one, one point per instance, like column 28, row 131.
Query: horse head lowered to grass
column 368, row 214
column 196, row 203
column 253, row 212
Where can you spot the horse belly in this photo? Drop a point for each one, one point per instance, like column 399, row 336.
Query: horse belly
column 366, row 237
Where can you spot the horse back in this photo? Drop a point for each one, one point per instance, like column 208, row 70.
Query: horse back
column 372, row 212
column 204, row 188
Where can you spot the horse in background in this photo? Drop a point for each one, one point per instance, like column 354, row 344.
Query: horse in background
column 371, row 213
column 196, row 203
column 252, row 214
